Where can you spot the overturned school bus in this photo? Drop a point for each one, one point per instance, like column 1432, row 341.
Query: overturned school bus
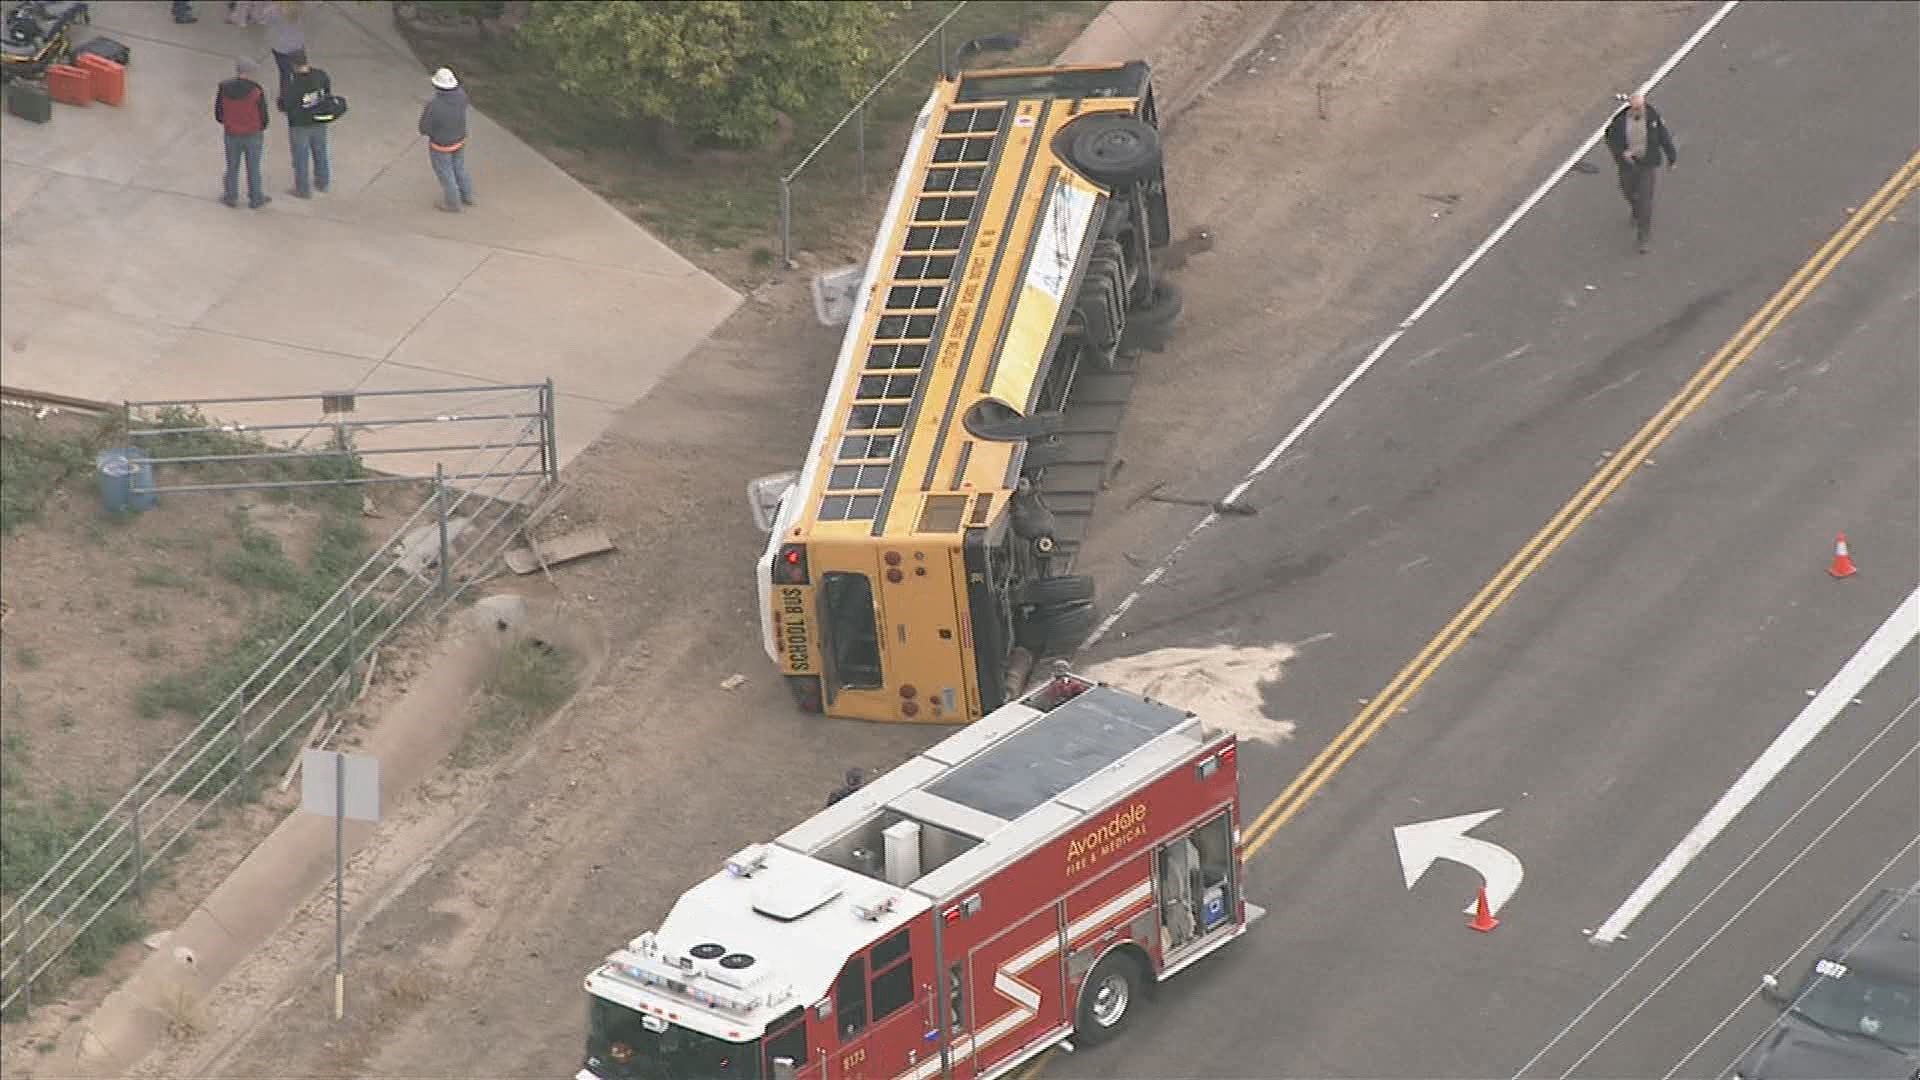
column 922, row 559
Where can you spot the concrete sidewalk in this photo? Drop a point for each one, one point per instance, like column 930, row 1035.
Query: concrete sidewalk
column 127, row 279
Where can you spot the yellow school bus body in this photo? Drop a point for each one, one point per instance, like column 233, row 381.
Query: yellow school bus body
column 963, row 304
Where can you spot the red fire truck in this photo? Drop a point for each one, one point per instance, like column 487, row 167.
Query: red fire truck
column 1015, row 886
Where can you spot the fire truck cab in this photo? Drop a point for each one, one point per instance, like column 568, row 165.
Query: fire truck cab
column 1016, row 885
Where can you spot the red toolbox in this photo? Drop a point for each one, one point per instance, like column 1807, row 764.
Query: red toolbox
column 109, row 78
column 70, row 85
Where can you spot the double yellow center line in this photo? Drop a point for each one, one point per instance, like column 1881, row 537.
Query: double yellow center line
column 1604, row 483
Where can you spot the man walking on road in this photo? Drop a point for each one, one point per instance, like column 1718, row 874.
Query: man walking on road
column 1640, row 142
column 302, row 101
column 444, row 123
column 240, row 108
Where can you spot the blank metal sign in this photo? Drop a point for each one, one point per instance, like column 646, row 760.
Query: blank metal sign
column 319, row 793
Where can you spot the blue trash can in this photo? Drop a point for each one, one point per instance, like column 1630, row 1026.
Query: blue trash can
column 126, row 480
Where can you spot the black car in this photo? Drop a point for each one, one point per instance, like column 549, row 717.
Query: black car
column 1856, row 1014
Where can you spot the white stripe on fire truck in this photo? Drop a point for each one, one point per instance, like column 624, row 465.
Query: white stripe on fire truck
column 1026, row 999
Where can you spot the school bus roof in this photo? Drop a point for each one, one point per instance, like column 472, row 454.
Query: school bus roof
column 961, row 303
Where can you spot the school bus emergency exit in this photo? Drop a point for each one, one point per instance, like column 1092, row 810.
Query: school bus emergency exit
column 921, row 561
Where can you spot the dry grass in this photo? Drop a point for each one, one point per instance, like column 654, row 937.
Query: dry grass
column 530, row 678
column 186, row 1013
column 411, row 989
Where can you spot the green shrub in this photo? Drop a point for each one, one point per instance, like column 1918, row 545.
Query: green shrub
column 721, row 71
column 34, row 465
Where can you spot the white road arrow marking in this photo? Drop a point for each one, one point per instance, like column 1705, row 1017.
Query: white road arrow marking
column 1423, row 843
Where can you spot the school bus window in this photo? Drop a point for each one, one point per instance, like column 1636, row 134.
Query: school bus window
column 869, row 447
column 853, row 637
column 850, row 999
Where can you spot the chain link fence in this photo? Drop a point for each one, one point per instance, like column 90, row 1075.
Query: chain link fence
column 296, row 697
column 843, row 173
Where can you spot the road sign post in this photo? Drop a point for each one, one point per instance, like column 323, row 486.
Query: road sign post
column 341, row 786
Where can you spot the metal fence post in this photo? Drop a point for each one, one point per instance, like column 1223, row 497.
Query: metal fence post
column 240, row 729
column 943, row 51
column 440, row 513
column 138, row 856
column 550, row 437
column 860, row 143
column 786, row 222
column 345, row 694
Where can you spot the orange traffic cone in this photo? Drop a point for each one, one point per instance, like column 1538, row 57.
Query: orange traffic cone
column 1842, row 562
column 1483, row 919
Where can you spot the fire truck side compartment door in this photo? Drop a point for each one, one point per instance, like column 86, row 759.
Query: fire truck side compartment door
column 1140, row 931
column 1019, row 993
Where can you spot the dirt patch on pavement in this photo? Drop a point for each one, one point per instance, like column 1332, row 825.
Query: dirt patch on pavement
column 519, row 882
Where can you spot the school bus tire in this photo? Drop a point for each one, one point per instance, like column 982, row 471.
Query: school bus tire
column 1160, row 310
column 1117, row 151
column 1064, row 589
column 1057, row 630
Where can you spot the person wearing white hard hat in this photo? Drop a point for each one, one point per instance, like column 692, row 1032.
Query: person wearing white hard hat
column 444, row 123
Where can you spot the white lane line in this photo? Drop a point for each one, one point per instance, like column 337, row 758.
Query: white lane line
column 1741, row 1006
column 1898, row 763
column 1680, row 924
column 1900, row 629
column 1153, row 577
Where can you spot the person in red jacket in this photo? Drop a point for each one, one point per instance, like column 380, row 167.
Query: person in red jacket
column 240, row 108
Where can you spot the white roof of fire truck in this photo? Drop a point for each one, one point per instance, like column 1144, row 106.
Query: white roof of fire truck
column 773, row 928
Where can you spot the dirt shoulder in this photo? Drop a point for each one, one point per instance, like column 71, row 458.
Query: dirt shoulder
column 517, row 881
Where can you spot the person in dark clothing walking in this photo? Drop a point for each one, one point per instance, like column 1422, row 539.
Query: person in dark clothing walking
column 1640, row 142
column 444, row 123
column 302, row 101
column 240, row 108
column 183, row 12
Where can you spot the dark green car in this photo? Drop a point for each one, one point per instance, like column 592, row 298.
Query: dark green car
column 1856, row 1014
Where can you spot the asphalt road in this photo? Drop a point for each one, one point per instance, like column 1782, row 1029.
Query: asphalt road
column 1621, row 686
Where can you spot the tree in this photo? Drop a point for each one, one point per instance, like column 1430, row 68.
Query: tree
column 721, row 71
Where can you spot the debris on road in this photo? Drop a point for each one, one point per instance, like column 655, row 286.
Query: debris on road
column 545, row 554
column 1218, row 506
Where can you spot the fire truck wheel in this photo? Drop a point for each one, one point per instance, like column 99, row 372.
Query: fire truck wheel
column 1109, row 998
